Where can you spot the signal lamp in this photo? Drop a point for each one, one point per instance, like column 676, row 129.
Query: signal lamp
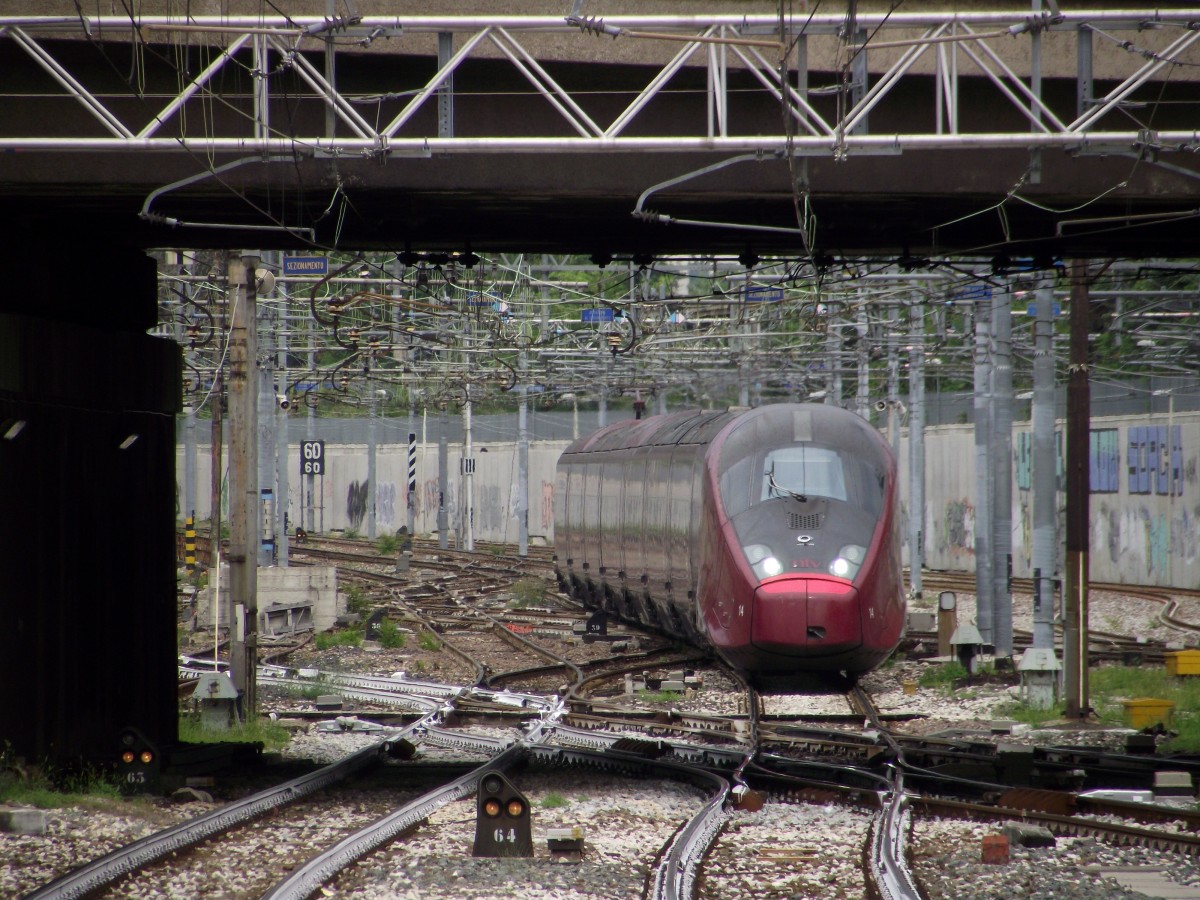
column 139, row 764
column 502, row 823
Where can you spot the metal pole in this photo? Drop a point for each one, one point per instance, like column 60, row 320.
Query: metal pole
column 1083, row 70
column 189, row 463
column 1045, row 536
column 893, row 380
column 1002, row 395
column 1075, row 596
column 916, row 447
column 523, row 462
column 469, row 477
column 446, row 90
column 860, row 74
column 1035, row 88
column 862, row 396
column 310, row 479
column 217, row 475
column 330, row 73
column 264, row 382
column 243, row 483
column 372, row 400
column 983, row 472
column 744, row 345
column 443, row 522
column 833, row 345
column 412, row 479
column 282, row 445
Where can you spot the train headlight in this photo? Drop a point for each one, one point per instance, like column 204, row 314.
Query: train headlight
column 848, row 561
column 762, row 561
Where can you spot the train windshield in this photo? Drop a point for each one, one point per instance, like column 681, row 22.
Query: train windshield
column 804, row 472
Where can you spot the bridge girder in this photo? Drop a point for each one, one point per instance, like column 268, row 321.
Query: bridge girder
column 923, row 136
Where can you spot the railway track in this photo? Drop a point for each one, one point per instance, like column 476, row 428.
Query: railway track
column 714, row 845
column 455, row 609
column 671, row 874
column 1173, row 601
column 782, row 764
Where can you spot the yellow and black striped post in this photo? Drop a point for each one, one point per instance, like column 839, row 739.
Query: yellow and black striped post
column 189, row 544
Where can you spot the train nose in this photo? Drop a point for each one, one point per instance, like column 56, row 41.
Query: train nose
column 810, row 616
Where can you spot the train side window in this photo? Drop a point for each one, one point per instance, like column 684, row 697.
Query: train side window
column 737, row 486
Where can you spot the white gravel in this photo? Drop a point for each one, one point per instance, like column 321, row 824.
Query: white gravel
column 788, row 851
column 947, row 861
column 627, row 821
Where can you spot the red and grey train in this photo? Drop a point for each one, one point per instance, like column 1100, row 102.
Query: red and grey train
column 769, row 535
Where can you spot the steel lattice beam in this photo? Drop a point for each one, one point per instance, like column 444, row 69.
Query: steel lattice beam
column 978, row 42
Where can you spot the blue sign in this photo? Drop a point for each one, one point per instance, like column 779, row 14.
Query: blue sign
column 1031, row 309
column 764, row 295
column 474, row 298
column 973, row 292
column 305, row 265
column 603, row 314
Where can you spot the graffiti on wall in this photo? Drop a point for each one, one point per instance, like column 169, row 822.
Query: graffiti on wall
column 426, row 503
column 1141, row 542
column 1104, row 461
column 1185, row 537
column 358, row 495
column 490, row 510
column 1156, row 460
column 1154, row 453
column 356, row 503
column 547, row 506
column 1024, row 460
column 958, row 523
column 385, row 503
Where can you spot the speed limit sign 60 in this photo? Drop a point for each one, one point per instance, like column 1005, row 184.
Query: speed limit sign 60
column 312, row 457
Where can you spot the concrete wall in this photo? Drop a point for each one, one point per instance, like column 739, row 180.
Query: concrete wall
column 341, row 494
column 314, row 587
column 1147, row 534
column 1145, row 523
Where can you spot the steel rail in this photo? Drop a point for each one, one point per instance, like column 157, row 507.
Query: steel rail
column 888, row 860
column 105, row 870
column 307, row 879
column 889, row 838
column 675, row 875
column 480, row 669
column 1180, row 842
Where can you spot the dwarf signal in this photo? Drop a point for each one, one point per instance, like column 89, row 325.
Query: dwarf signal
column 502, row 825
column 138, row 764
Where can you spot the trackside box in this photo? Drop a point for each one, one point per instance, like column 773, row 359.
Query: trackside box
column 1183, row 662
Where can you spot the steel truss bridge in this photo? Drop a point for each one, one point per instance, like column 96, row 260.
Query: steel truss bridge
column 911, row 134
